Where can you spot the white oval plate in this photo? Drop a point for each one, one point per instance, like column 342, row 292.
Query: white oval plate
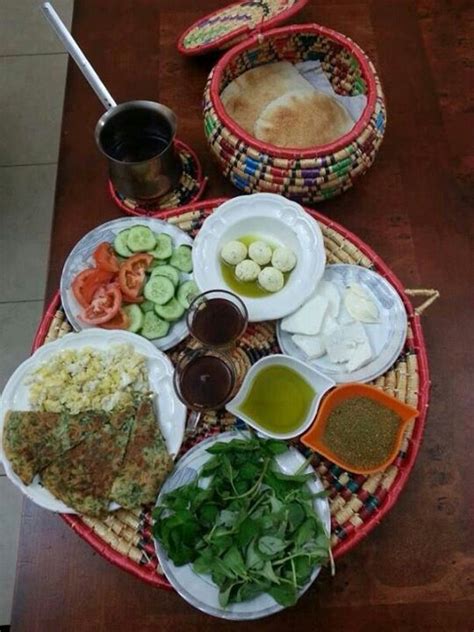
column 276, row 219
column 80, row 258
column 199, row 590
column 387, row 337
column 170, row 412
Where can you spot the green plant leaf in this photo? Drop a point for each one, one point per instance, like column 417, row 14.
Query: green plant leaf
column 296, row 514
column 227, row 518
column 284, row 594
column 268, row 572
column 249, row 471
column 247, row 530
column 204, row 563
column 274, row 446
column 270, row 545
column 253, row 558
column 234, row 561
column 208, row 514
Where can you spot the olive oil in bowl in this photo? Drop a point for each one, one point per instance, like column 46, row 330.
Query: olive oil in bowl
column 278, row 400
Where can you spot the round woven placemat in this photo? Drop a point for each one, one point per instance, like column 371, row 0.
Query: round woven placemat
column 357, row 502
column 188, row 190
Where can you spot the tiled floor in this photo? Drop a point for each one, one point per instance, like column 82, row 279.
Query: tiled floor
column 32, row 77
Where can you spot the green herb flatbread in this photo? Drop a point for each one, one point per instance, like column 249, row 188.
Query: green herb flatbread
column 146, row 462
column 32, row 440
column 82, row 478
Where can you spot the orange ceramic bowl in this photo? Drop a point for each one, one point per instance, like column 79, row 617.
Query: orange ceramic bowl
column 314, row 437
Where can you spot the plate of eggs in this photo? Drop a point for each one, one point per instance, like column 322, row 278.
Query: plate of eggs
column 264, row 248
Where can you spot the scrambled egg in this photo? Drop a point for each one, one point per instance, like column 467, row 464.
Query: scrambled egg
column 89, row 379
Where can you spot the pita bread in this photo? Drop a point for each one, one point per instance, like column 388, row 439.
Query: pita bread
column 246, row 97
column 302, row 120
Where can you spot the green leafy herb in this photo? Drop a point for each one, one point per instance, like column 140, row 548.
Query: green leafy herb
column 250, row 527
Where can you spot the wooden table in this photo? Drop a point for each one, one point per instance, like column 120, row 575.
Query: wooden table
column 416, row 570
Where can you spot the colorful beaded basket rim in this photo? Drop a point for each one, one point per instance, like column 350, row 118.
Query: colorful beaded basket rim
column 124, row 537
column 236, row 34
column 278, row 152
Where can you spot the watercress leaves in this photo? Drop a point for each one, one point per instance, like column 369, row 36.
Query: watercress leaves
column 252, row 528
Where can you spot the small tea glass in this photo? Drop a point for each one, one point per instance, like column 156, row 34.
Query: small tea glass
column 204, row 379
column 217, row 318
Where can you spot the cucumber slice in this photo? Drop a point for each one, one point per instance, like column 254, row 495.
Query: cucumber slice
column 166, row 271
column 159, row 289
column 164, row 246
column 141, row 239
column 135, row 315
column 186, row 292
column 120, row 243
column 147, row 306
column 171, row 311
column 154, row 327
column 156, row 263
column 182, row 259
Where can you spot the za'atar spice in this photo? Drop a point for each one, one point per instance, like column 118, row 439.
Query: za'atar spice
column 361, row 432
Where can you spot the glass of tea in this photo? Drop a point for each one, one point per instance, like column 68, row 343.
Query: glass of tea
column 204, row 379
column 217, row 318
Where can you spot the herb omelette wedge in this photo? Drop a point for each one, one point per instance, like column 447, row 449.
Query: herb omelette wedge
column 84, row 475
column 146, row 463
column 32, row 440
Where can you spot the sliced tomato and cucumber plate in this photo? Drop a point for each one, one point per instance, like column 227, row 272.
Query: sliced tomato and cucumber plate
column 139, row 280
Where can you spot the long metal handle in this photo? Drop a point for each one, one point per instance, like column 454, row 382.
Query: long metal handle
column 76, row 53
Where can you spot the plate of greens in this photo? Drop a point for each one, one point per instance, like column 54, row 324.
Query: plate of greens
column 242, row 526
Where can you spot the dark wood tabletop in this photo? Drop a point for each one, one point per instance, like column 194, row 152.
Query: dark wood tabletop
column 416, row 570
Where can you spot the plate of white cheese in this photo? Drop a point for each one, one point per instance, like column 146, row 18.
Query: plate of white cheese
column 352, row 328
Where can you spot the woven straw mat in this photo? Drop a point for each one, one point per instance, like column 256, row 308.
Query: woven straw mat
column 357, row 502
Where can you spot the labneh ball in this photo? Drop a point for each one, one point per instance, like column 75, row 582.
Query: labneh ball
column 260, row 252
column 283, row 259
column 271, row 279
column 233, row 252
column 247, row 270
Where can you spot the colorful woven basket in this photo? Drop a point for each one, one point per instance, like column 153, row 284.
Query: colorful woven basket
column 358, row 503
column 308, row 175
column 227, row 26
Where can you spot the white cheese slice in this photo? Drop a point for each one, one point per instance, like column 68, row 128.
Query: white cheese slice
column 344, row 317
column 360, row 357
column 331, row 292
column 329, row 325
column 360, row 304
column 342, row 343
column 307, row 319
column 312, row 346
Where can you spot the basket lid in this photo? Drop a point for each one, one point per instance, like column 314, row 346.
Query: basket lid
column 234, row 22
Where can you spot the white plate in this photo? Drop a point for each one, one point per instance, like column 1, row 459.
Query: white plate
column 199, row 590
column 170, row 412
column 80, row 258
column 273, row 218
column 387, row 337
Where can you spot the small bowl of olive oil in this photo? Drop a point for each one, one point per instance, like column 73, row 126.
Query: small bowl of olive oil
column 280, row 396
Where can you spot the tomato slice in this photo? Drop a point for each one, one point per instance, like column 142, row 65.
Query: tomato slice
column 132, row 275
column 87, row 282
column 104, row 305
column 119, row 321
column 105, row 258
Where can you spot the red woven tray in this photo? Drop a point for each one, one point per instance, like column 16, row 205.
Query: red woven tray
column 374, row 504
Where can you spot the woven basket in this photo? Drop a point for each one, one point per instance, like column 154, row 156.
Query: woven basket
column 308, row 175
column 357, row 502
column 233, row 23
